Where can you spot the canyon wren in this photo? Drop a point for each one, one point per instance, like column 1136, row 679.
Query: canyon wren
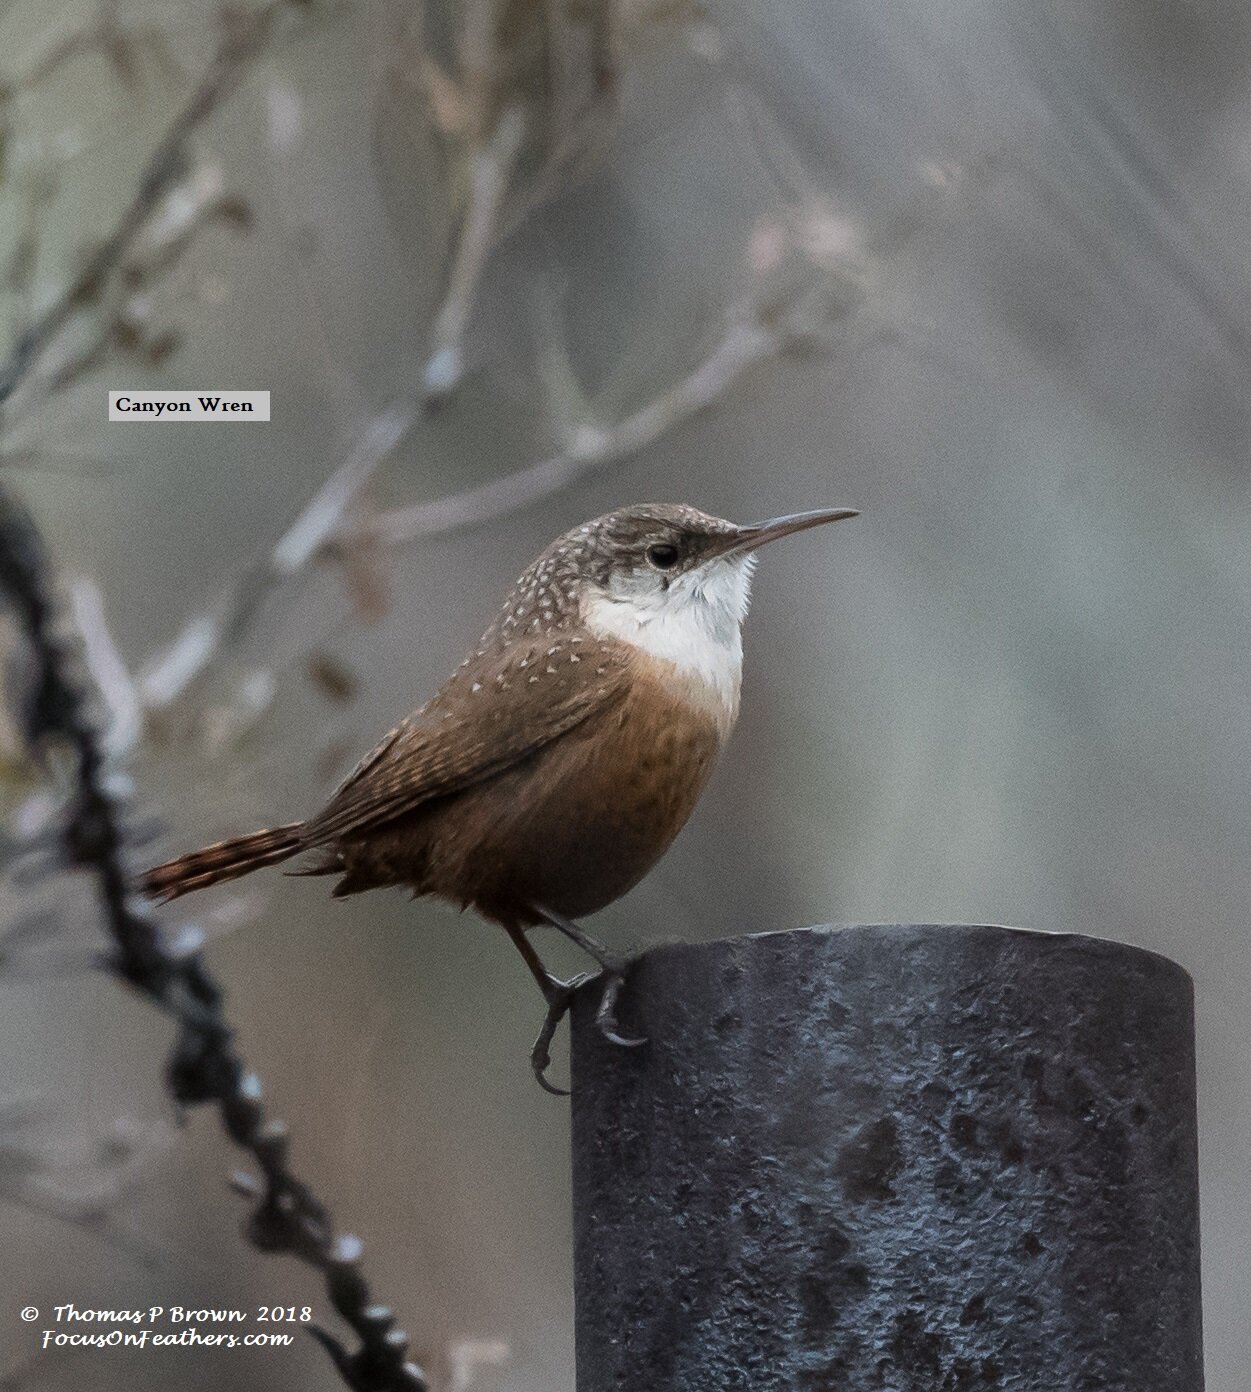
column 563, row 756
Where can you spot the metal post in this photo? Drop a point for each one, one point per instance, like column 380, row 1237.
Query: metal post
column 906, row 1159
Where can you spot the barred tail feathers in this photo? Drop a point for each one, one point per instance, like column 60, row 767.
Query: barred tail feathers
column 216, row 864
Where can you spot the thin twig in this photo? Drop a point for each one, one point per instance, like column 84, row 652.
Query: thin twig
column 108, row 34
column 137, row 1248
column 747, row 341
column 527, row 103
column 490, row 168
column 206, row 1067
column 171, row 672
column 108, row 668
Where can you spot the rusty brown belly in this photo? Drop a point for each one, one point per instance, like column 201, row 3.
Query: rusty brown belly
column 572, row 828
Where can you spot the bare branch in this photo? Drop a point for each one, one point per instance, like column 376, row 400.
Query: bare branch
column 169, row 674
column 107, row 667
column 490, row 168
column 749, row 339
column 120, row 42
column 530, row 101
column 83, row 1192
column 242, row 42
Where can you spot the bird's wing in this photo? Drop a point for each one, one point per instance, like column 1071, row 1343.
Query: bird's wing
column 494, row 712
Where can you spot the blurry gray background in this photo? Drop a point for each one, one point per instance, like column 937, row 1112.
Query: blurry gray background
column 985, row 266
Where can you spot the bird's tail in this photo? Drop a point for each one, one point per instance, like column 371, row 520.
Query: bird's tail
column 226, row 860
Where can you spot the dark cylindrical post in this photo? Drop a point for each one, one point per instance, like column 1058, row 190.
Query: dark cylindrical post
column 898, row 1159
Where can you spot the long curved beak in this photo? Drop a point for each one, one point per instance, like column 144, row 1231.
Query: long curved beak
column 757, row 534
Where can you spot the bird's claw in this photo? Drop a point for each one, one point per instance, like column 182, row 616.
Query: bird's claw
column 559, row 996
column 606, row 1014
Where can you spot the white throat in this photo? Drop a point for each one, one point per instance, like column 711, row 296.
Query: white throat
column 695, row 625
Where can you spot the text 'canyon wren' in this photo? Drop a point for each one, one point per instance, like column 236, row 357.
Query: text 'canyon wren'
column 558, row 763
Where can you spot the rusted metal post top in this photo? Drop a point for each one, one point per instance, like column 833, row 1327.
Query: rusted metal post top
column 898, row 1158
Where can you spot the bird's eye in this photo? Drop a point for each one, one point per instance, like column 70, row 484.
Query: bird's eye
column 663, row 555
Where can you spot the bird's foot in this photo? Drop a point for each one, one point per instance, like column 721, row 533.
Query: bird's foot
column 612, row 969
column 559, row 997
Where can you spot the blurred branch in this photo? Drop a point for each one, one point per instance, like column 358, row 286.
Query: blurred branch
column 120, row 41
column 530, row 101
column 753, row 334
column 172, row 672
column 243, row 39
column 205, row 1066
column 490, row 169
column 107, row 667
column 83, row 1194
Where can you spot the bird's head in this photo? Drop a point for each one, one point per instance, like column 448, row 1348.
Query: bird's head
column 659, row 560
column 675, row 581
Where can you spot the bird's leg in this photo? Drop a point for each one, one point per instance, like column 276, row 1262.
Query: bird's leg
column 612, row 970
column 558, row 995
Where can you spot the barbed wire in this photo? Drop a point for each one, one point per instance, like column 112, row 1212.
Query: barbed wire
column 206, row 1067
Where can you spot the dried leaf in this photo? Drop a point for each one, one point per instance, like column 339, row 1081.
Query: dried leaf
column 333, row 678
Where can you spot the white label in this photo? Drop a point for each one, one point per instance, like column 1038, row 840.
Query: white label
column 188, row 406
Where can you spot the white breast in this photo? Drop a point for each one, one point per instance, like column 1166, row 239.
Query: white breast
column 695, row 625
